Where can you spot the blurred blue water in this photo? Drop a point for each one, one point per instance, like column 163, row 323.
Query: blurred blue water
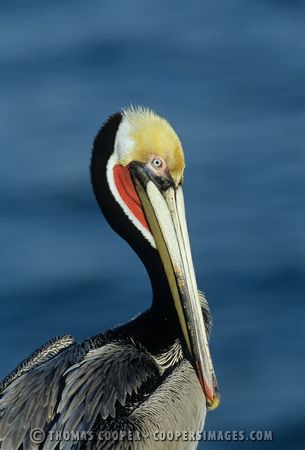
column 230, row 77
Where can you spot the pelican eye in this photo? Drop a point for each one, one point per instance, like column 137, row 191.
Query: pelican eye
column 157, row 163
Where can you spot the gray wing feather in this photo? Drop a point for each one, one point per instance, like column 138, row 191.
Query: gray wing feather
column 40, row 356
column 69, row 391
column 94, row 385
column 29, row 400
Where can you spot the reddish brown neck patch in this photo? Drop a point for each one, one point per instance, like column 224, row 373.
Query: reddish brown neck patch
column 128, row 194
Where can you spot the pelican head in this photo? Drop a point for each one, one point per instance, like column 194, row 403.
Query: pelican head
column 143, row 161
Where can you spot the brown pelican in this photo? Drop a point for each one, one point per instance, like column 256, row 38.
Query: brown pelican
column 122, row 388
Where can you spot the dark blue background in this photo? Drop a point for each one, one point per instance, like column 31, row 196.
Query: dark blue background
column 229, row 76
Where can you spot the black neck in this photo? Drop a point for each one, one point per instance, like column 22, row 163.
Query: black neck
column 102, row 150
